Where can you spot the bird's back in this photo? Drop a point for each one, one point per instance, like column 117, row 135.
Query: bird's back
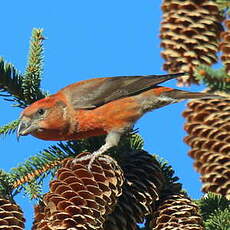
column 95, row 92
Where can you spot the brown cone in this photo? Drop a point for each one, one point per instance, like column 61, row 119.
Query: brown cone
column 39, row 216
column 11, row 216
column 143, row 183
column 79, row 198
column 225, row 46
column 177, row 212
column 190, row 32
column 208, row 128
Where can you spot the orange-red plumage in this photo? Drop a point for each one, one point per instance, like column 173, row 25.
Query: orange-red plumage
column 99, row 106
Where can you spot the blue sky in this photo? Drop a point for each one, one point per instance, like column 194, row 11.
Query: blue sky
column 88, row 39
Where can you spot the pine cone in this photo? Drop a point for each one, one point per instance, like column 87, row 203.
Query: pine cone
column 11, row 216
column 225, row 46
column 80, row 199
column 208, row 128
column 177, row 212
column 190, row 32
column 39, row 216
column 143, row 183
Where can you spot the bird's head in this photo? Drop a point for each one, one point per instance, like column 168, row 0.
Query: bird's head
column 41, row 118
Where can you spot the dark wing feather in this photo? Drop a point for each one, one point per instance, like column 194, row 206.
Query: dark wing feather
column 96, row 92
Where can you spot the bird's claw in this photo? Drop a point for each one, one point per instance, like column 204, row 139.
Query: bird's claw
column 99, row 152
column 91, row 158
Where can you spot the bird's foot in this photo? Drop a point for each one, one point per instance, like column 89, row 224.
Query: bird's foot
column 84, row 158
column 93, row 156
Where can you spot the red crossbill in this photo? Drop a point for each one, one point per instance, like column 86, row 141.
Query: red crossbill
column 99, row 106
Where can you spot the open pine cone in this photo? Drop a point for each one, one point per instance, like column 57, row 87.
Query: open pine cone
column 143, row 183
column 190, row 32
column 208, row 128
column 11, row 217
column 177, row 212
column 225, row 46
column 80, row 199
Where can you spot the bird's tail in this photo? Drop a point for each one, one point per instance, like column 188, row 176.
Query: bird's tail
column 162, row 96
column 184, row 95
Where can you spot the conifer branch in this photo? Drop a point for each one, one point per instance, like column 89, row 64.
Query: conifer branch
column 24, row 90
column 34, row 174
column 224, row 5
column 33, row 190
column 38, row 166
column 32, row 77
column 169, row 174
column 6, row 183
column 136, row 141
column 215, row 80
column 11, row 84
column 41, row 165
column 9, row 128
column 211, row 202
column 218, row 220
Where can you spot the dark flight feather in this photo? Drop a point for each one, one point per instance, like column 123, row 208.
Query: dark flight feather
column 98, row 91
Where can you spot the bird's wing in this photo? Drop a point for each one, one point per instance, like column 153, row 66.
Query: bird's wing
column 96, row 92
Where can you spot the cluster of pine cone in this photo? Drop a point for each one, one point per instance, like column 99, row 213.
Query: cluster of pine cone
column 192, row 32
column 114, row 196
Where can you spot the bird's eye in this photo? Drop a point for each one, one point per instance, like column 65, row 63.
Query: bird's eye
column 41, row 111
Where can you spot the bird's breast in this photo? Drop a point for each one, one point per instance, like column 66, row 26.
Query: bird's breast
column 111, row 116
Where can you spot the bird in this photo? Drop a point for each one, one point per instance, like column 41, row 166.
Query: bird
column 100, row 106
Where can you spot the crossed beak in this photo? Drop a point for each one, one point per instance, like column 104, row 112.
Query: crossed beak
column 25, row 127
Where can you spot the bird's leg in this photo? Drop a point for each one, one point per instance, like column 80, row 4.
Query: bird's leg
column 98, row 153
column 111, row 140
